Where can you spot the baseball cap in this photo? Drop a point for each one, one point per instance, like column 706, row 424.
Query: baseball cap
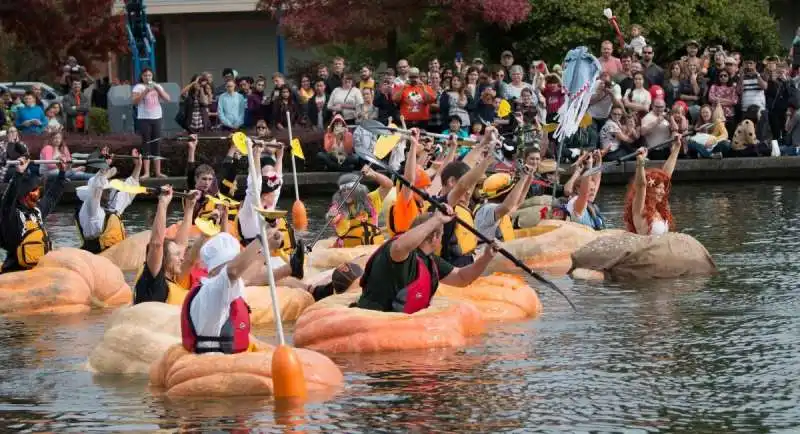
column 507, row 53
column 692, row 42
column 477, row 60
column 344, row 275
column 220, row 249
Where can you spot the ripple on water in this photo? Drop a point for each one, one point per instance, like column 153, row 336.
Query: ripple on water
column 709, row 355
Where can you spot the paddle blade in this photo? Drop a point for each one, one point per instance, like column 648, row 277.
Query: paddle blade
column 240, row 141
column 504, row 109
column 592, row 171
column 288, row 380
column 207, row 227
column 385, row 144
column 297, row 150
column 272, row 214
column 120, row 185
column 299, row 216
column 549, row 128
column 221, row 199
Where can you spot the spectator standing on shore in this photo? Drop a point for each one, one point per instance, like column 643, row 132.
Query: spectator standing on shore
column 345, row 99
column 607, row 60
column 794, row 53
column 255, row 99
column 231, row 107
column 366, row 78
column 317, row 107
column 724, row 94
column 656, row 128
column 54, row 115
column 305, row 91
column 196, row 103
column 77, row 109
column 30, row 117
column 606, row 96
column 414, row 100
column 383, row 101
column 336, row 77
column 147, row 96
column 286, row 103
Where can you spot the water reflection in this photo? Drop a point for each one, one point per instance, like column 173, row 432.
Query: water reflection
column 711, row 355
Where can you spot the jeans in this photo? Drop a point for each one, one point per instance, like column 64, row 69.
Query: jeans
column 328, row 160
column 723, row 147
column 71, row 175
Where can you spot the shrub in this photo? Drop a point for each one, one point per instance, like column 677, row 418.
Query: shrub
column 98, row 121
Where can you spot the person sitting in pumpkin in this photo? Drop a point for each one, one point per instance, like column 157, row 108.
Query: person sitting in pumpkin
column 354, row 209
column 646, row 209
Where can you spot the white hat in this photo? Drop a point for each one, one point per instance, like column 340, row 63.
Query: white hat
column 218, row 250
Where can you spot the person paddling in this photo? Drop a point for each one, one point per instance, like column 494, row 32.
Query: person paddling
column 23, row 235
column 404, row 273
column 202, row 177
column 215, row 316
column 99, row 218
column 356, row 222
column 165, row 267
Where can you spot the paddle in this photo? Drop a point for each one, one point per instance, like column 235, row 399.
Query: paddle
column 85, row 156
column 439, row 206
column 299, row 214
column 338, row 210
column 287, row 372
column 120, row 185
column 599, row 169
column 93, row 162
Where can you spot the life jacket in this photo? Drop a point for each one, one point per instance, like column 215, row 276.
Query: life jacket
column 176, row 294
column 205, row 207
column 415, row 296
column 458, row 244
column 35, row 241
column 361, row 234
column 288, row 244
column 399, row 219
column 591, row 217
column 505, row 228
column 112, row 234
column 234, row 336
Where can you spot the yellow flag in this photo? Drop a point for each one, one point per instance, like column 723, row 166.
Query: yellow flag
column 504, row 109
column 297, row 150
column 385, row 144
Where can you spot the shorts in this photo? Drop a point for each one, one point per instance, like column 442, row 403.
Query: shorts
column 150, row 131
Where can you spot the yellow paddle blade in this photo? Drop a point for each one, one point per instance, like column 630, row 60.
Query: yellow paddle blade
column 504, row 109
column 297, row 150
column 221, row 199
column 549, row 128
column 385, row 144
column 240, row 141
column 207, row 227
column 120, row 185
column 271, row 214
column 586, row 121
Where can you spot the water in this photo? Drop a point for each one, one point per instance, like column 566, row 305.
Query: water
column 709, row 355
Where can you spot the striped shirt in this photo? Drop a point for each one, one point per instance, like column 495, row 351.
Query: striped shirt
column 752, row 93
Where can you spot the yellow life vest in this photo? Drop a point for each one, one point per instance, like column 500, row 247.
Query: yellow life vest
column 208, row 207
column 460, row 241
column 175, row 293
column 361, row 234
column 287, row 245
column 506, row 226
column 113, row 233
column 35, row 242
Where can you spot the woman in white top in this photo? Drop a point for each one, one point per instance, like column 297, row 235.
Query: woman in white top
column 147, row 96
column 647, row 202
column 346, row 99
column 514, row 89
column 637, row 99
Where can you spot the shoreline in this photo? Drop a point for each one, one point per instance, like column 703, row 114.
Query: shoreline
column 705, row 170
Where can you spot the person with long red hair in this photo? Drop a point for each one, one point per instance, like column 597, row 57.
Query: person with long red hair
column 647, row 201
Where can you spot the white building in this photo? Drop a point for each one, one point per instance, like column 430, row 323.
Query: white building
column 209, row 35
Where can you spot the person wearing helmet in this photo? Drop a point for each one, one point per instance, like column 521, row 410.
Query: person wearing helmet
column 356, row 221
column 503, row 196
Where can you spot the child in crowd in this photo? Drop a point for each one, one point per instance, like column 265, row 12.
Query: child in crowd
column 638, row 42
column 454, row 127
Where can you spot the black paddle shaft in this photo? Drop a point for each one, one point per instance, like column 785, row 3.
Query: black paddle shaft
column 441, row 207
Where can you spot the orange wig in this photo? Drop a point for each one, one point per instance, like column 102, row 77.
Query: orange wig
column 653, row 177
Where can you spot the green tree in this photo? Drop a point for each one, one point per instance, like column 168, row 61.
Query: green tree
column 555, row 26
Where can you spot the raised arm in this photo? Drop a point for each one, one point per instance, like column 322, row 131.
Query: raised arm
column 468, row 181
column 514, row 198
column 583, row 193
column 403, row 245
column 384, row 183
column 155, row 247
column 410, row 172
column 669, row 165
column 182, row 237
column 639, row 183
column 237, row 267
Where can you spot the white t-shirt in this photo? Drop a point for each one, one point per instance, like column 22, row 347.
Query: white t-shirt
column 92, row 216
column 639, row 96
column 211, row 306
column 513, row 92
column 150, row 106
column 659, row 134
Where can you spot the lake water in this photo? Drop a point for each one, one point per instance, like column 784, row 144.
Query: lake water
column 713, row 355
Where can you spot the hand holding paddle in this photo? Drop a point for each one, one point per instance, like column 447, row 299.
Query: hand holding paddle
column 600, row 168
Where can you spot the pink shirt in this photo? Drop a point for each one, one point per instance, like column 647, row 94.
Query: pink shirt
column 49, row 152
column 612, row 65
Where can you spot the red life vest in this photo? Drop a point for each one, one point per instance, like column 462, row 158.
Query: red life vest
column 235, row 334
column 417, row 295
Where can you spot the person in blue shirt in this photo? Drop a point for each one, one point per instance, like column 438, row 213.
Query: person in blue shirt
column 30, row 117
column 231, row 107
column 455, row 127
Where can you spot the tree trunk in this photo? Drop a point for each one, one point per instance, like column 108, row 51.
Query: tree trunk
column 391, row 48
